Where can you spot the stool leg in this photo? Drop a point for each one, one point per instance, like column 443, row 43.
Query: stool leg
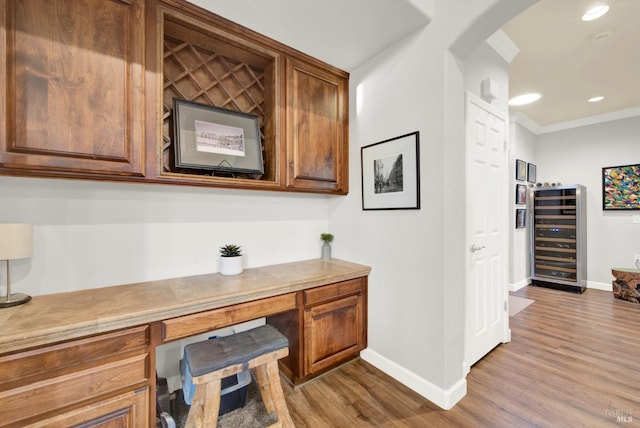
column 277, row 396
column 205, row 405
column 265, row 392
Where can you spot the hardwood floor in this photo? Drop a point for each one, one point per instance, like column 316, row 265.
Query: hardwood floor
column 573, row 361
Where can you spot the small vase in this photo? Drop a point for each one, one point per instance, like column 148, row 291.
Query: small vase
column 326, row 251
column 231, row 265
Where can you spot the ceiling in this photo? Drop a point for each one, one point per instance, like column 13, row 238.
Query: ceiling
column 342, row 33
column 570, row 61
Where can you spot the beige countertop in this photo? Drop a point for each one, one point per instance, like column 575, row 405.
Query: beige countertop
column 63, row 316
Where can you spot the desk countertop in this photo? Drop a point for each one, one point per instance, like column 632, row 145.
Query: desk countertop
column 63, row 316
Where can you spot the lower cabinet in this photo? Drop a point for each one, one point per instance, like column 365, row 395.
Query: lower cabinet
column 328, row 328
column 333, row 333
column 96, row 381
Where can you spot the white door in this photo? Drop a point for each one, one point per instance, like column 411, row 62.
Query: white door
column 487, row 320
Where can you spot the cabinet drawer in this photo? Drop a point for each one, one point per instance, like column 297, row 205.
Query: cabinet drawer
column 41, row 397
column 130, row 410
column 190, row 325
column 56, row 360
column 333, row 291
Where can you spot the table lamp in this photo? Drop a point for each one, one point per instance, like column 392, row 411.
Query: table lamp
column 16, row 242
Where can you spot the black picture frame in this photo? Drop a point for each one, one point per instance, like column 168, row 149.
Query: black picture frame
column 215, row 139
column 531, row 173
column 391, row 173
column 521, row 194
column 521, row 218
column 621, row 188
column 521, row 170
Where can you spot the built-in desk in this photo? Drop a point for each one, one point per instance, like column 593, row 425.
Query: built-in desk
column 88, row 356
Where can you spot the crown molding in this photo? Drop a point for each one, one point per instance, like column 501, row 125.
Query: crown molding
column 526, row 122
column 503, row 45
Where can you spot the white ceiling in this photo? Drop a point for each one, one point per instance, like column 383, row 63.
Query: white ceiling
column 570, row 61
column 342, row 33
column 566, row 59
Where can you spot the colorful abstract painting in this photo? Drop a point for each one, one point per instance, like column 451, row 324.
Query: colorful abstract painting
column 621, row 187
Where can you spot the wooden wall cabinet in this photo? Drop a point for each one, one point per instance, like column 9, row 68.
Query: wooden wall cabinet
column 97, row 381
column 301, row 103
column 317, row 128
column 72, row 74
column 87, row 89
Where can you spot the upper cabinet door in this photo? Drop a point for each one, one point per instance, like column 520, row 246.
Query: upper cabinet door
column 72, row 74
column 317, row 128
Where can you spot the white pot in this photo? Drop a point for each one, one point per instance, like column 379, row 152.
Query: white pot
column 231, row 265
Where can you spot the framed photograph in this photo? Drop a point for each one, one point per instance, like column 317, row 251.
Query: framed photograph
column 215, row 139
column 391, row 174
column 521, row 170
column 621, row 187
column 521, row 218
column 531, row 173
column 521, row 194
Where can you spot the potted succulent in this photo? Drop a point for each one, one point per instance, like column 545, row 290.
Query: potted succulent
column 326, row 245
column 230, row 259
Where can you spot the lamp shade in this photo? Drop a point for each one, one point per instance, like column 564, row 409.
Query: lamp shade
column 16, row 241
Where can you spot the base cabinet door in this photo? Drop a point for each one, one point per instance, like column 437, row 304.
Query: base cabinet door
column 130, row 410
column 333, row 333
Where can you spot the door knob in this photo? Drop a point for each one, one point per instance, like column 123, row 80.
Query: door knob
column 475, row 248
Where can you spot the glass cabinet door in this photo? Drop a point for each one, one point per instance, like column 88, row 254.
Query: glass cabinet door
column 554, row 234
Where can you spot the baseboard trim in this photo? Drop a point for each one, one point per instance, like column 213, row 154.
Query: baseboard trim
column 600, row 286
column 444, row 398
column 520, row 284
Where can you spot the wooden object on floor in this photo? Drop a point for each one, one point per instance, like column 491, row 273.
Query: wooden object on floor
column 627, row 284
column 212, row 360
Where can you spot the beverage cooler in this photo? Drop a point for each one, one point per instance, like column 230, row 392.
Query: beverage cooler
column 558, row 237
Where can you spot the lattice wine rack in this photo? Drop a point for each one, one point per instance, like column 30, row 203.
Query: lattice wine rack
column 200, row 74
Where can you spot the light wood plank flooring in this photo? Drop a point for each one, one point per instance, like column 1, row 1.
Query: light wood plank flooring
column 574, row 361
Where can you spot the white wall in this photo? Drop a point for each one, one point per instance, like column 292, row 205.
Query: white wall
column 578, row 156
column 416, row 288
column 93, row 234
column 523, row 147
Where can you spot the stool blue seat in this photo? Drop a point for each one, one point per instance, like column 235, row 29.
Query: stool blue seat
column 212, row 360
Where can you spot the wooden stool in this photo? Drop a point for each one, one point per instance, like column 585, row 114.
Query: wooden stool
column 211, row 360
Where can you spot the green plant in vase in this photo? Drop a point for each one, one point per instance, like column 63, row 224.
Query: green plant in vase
column 230, row 259
column 326, row 238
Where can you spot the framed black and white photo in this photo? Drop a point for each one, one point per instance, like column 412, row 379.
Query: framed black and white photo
column 521, row 194
column 521, row 170
column 391, row 174
column 216, row 139
column 531, row 173
column 521, row 218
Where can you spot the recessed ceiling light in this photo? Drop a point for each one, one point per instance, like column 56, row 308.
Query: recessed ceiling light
column 521, row 100
column 595, row 13
column 595, row 99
